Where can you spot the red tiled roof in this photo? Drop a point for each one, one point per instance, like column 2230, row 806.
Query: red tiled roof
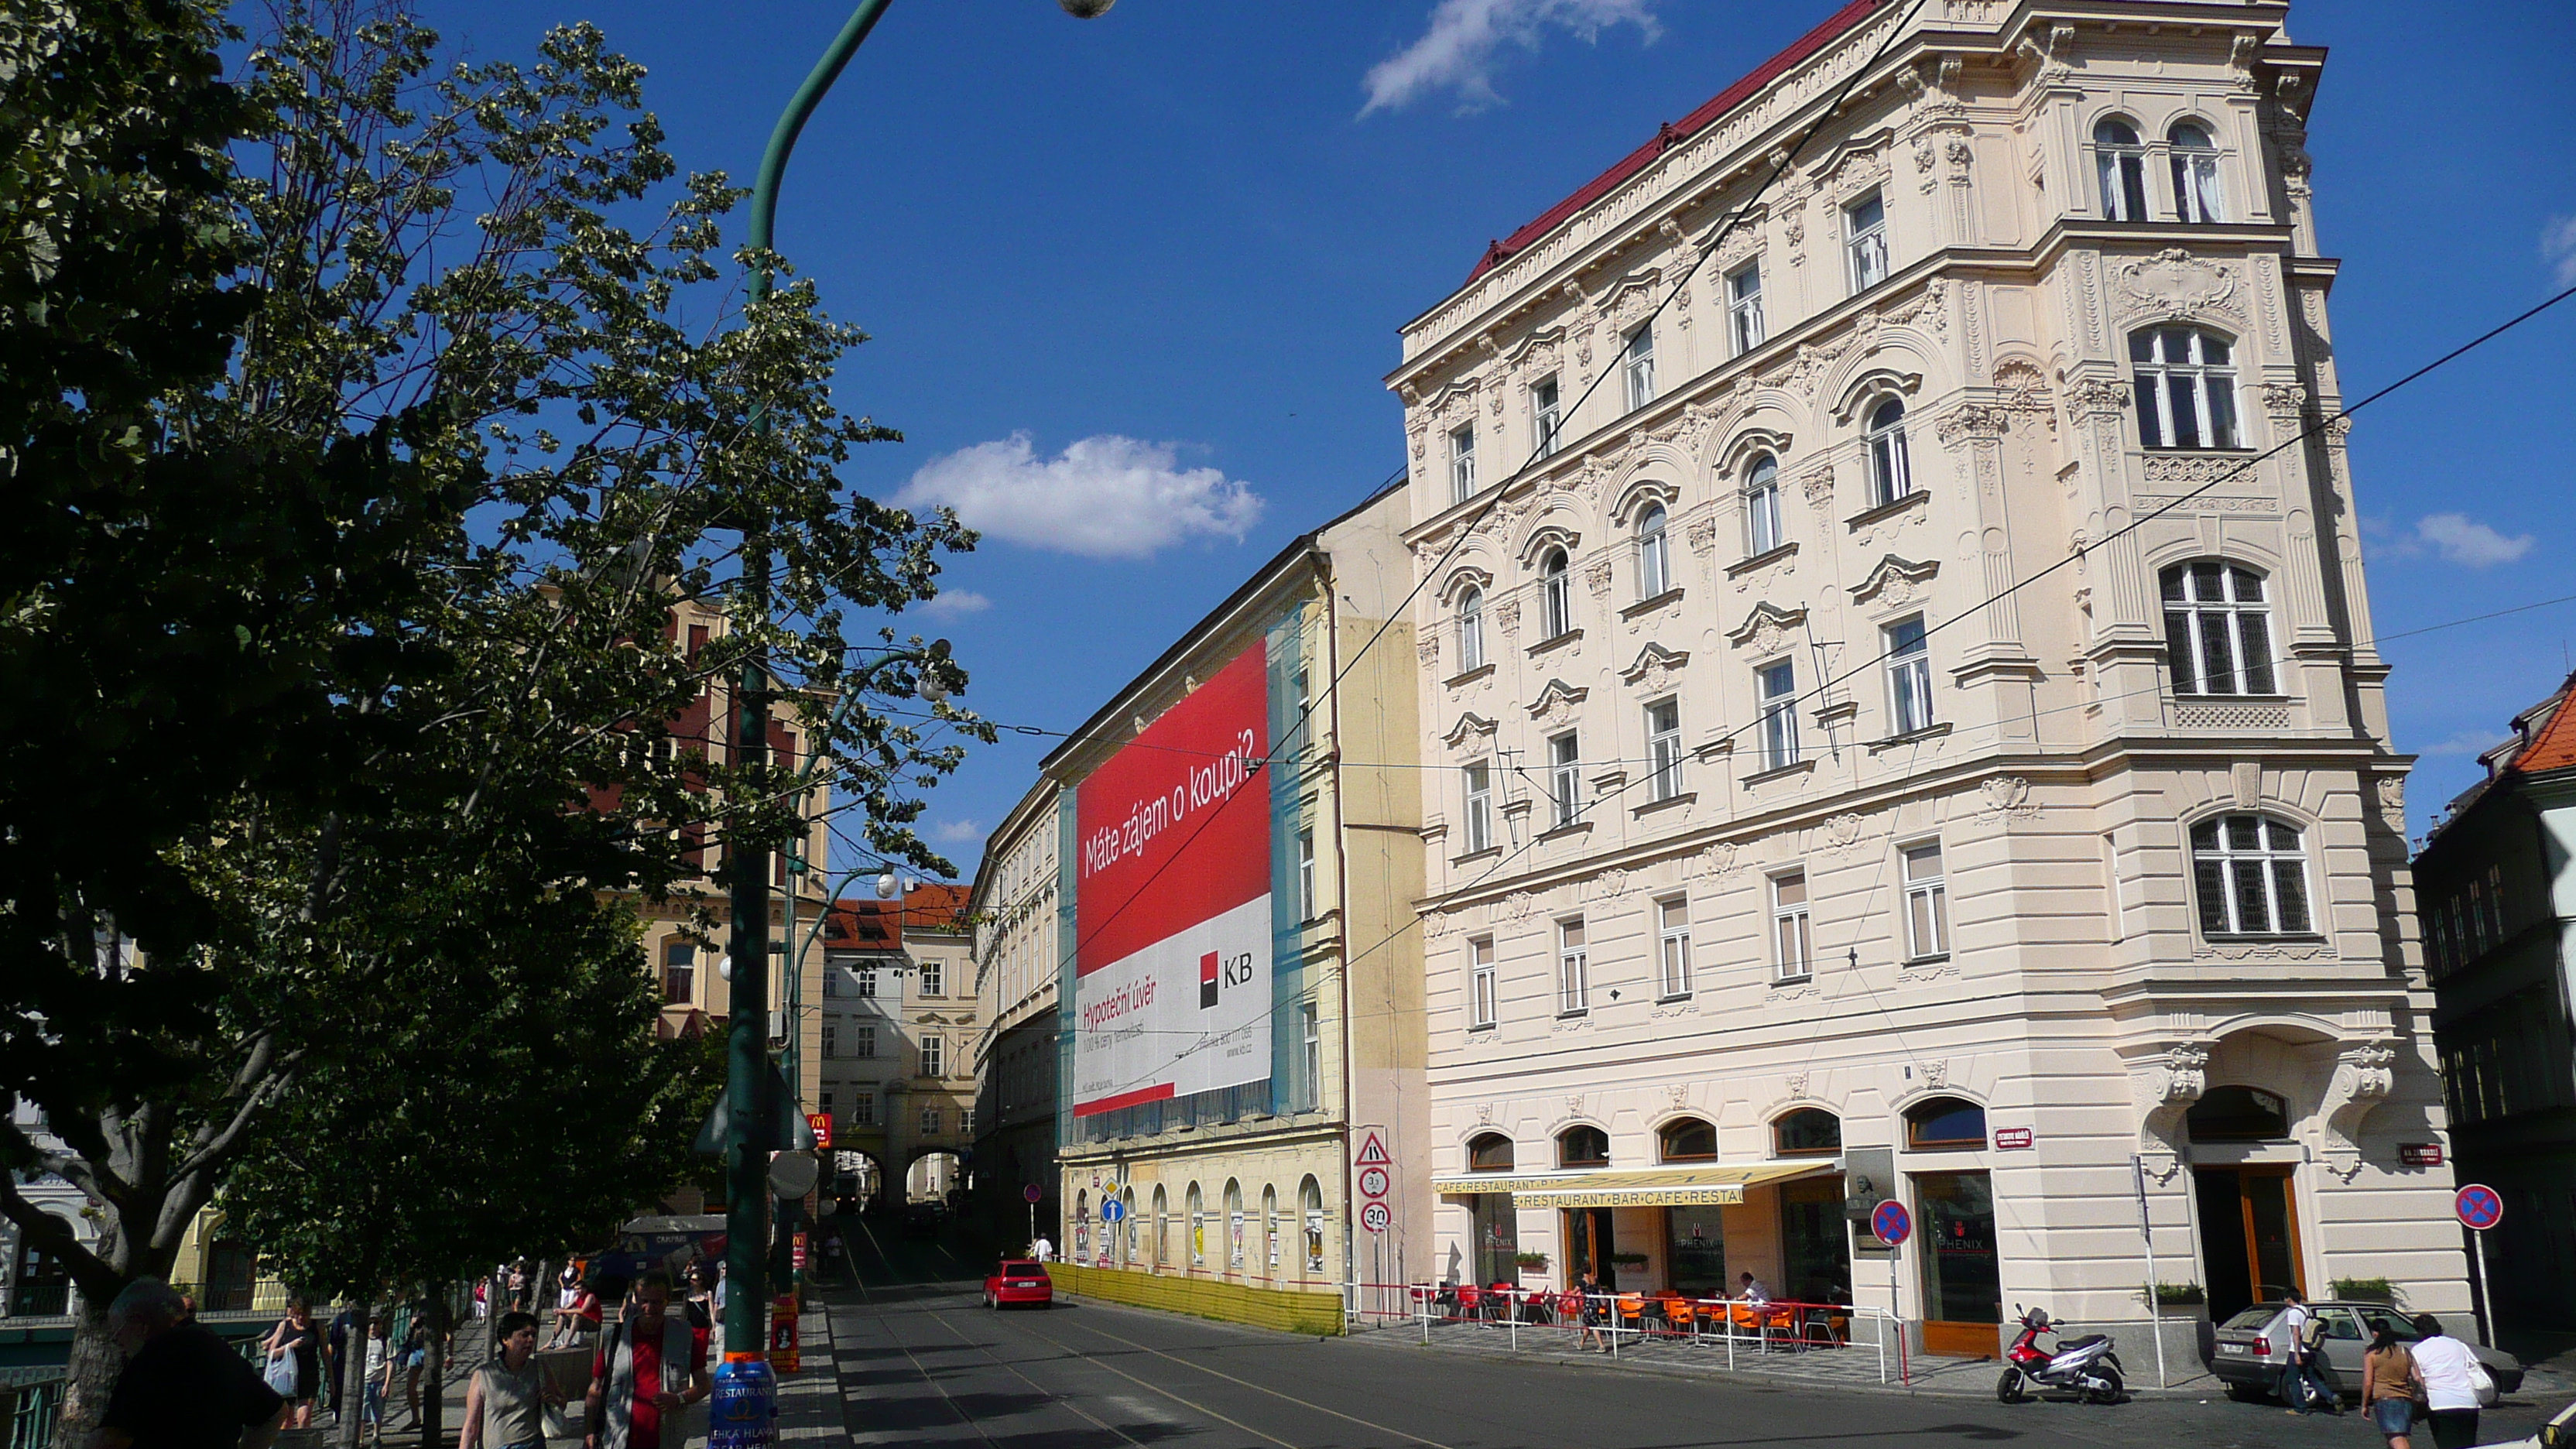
column 872, row 925
column 1676, row 132
column 2554, row 746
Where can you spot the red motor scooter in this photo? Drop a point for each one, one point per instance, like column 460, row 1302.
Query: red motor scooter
column 2085, row 1366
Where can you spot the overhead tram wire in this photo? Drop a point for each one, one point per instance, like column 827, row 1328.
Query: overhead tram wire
column 2305, row 433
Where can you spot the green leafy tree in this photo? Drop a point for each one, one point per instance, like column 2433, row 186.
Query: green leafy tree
column 474, row 408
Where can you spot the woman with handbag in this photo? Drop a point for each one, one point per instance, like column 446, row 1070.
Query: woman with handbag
column 2455, row 1383
column 2390, row 1385
column 295, row 1362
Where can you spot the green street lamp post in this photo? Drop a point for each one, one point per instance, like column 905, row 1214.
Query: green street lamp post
column 744, row 1412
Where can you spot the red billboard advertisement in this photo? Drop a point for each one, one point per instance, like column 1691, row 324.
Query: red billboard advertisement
column 1172, row 966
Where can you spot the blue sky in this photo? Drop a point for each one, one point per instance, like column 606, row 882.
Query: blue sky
column 1152, row 265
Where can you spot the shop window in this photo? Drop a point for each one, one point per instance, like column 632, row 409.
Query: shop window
column 1583, row 1147
column 1807, row 1132
column 2239, row 1114
column 1944, row 1124
column 1691, row 1139
column 1490, row 1152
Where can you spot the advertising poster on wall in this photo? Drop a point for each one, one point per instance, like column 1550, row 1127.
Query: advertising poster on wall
column 1173, row 957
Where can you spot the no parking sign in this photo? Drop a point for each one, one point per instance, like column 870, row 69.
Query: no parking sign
column 1891, row 1224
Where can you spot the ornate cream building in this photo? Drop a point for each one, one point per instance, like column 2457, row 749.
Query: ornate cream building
column 1018, row 952
column 1787, row 858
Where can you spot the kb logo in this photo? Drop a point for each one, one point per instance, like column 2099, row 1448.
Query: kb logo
column 1228, row 970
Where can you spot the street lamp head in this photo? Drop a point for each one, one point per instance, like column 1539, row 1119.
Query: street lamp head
column 931, row 687
column 886, row 884
column 1086, row 9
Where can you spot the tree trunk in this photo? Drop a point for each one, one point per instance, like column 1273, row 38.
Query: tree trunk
column 91, row 1374
column 353, row 1380
column 433, row 1373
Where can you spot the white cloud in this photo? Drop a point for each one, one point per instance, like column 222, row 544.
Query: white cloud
column 1460, row 48
column 1105, row 496
column 951, row 603
column 957, row 832
column 2462, row 540
column 2558, row 246
column 2464, row 743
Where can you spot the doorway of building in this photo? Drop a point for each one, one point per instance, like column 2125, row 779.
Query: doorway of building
column 2249, row 1236
column 1815, row 1248
column 1588, row 1246
column 1963, row 1296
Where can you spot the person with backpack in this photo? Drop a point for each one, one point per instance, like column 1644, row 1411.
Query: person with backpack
column 2390, row 1385
column 2303, row 1384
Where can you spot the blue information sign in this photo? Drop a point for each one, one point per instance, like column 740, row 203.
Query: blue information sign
column 2479, row 1207
column 1891, row 1223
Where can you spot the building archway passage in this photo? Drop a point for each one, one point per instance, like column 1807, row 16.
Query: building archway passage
column 858, row 1181
column 934, row 1177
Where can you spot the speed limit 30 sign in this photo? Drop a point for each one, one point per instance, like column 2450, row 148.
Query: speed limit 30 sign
column 1375, row 1217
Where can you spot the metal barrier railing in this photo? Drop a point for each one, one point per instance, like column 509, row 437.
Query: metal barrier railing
column 1610, row 1321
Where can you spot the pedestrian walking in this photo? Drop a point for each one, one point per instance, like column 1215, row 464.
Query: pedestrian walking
column 1589, row 1317
column 649, row 1370
column 483, row 1297
column 297, row 1336
column 700, row 1309
column 2451, row 1374
column 505, row 1401
column 379, row 1375
column 1042, row 1249
column 183, row 1387
column 415, row 1359
column 2303, row 1385
column 348, row 1330
column 2390, row 1385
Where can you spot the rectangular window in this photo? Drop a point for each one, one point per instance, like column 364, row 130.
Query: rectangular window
column 1304, row 715
column 966, row 1121
column 1865, row 223
column 1546, row 420
column 1744, row 306
column 1639, row 361
column 2495, row 902
column 863, row 1041
column 1480, row 807
column 831, row 980
column 1673, row 951
column 933, row 1053
column 1909, row 677
column 1565, row 777
column 2113, row 891
column 1573, row 970
column 1306, row 875
column 2478, row 916
column 1462, row 465
column 1482, row 988
column 831, row 1041
column 863, row 1110
column 1790, row 933
column 1314, row 1054
column 1778, row 687
column 934, row 978
column 1664, row 747
column 679, row 973
column 867, row 981
column 929, row 1121
column 1927, row 903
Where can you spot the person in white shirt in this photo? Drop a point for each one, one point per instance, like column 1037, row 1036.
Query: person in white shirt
column 2301, row 1384
column 1042, row 1250
column 2450, row 1371
column 1753, row 1292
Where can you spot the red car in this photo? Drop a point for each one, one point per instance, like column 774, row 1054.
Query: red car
column 1019, row 1280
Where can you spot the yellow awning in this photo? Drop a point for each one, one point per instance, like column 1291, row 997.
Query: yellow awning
column 1645, row 1187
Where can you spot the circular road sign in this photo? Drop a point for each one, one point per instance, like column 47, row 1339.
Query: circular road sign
column 1373, row 1182
column 1031, row 1193
column 1891, row 1223
column 2479, row 1206
column 1112, row 1211
column 1375, row 1217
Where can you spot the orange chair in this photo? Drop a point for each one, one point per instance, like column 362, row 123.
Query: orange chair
column 1682, row 1315
column 1569, row 1307
column 1632, row 1311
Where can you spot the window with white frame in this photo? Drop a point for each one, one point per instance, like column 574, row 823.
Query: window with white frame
column 1565, row 777
column 1483, row 989
column 1480, row 807
column 1556, row 593
column 1462, row 464
column 1762, row 507
column 1744, row 307
column 934, row 978
column 863, row 1110
column 1664, row 748
column 1777, row 686
column 1865, row 234
column 1654, row 552
column 1792, row 939
column 1909, row 676
column 929, row 1121
column 2251, row 877
column 1891, row 470
column 1672, row 946
column 1546, row 417
column 2195, row 173
column 1471, row 631
column 1311, row 1030
column 863, row 1041
column 934, row 1056
column 2120, row 164
column 1305, row 875
column 966, row 1121
column 1927, row 903
column 2185, row 380
column 1300, row 717
column 831, row 1041
column 1638, row 362
column 2218, row 629
column 1573, row 970
column 867, row 978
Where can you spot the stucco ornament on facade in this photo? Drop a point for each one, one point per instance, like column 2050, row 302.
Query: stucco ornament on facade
column 2364, row 1075
column 2163, row 1087
column 2005, row 797
column 2178, row 284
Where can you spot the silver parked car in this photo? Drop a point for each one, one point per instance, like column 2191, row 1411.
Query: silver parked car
column 2254, row 1346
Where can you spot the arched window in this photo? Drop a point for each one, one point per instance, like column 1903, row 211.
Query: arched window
column 1762, row 507
column 1940, row 1124
column 1270, row 1231
column 1654, row 553
column 1233, row 1225
column 1081, row 1226
column 2251, row 876
column 1807, row 1132
column 1556, row 589
column 1127, row 1239
column 2195, row 173
column 2238, row 1114
column 2186, row 385
column 2218, row 629
column 1471, row 631
column 1891, row 475
column 1583, row 1147
column 1162, row 1228
column 2122, row 163
column 1689, row 1139
column 1489, row 1152
column 1310, row 1204
column 1198, row 1228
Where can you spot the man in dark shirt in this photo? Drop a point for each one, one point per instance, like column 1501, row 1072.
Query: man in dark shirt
column 183, row 1388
